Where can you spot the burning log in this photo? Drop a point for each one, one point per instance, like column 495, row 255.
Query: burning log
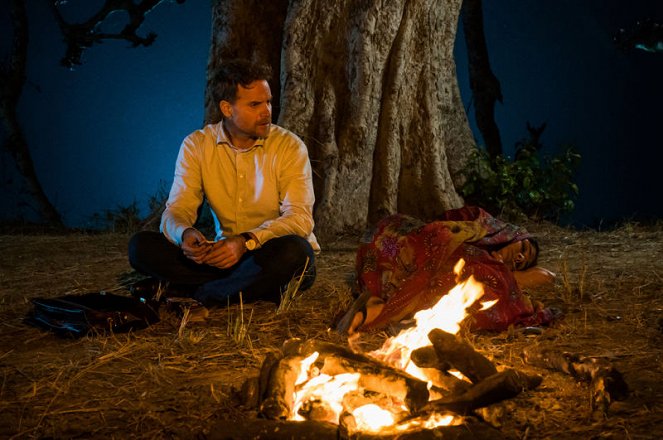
column 317, row 410
column 426, row 357
column 261, row 429
column 280, row 389
column 607, row 384
column 254, row 389
column 461, row 356
column 380, row 379
column 496, row 388
column 375, row 376
column 467, row 431
column 304, row 383
column 297, row 347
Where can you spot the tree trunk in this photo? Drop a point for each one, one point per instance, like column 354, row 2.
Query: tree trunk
column 250, row 29
column 371, row 87
column 12, row 79
column 485, row 87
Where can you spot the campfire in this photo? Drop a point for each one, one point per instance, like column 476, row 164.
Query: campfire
column 423, row 378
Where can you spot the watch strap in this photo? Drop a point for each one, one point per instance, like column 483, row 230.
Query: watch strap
column 248, row 237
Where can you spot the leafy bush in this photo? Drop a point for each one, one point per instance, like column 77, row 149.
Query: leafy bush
column 541, row 187
column 123, row 219
column 128, row 219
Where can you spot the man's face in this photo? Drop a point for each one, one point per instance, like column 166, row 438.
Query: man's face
column 250, row 116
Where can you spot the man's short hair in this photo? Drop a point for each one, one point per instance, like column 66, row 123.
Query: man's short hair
column 236, row 72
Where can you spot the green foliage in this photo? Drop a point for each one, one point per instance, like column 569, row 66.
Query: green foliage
column 541, row 187
column 123, row 219
column 128, row 219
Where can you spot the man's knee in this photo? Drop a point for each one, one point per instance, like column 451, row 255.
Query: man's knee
column 303, row 256
column 295, row 252
column 289, row 256
column 141, row 247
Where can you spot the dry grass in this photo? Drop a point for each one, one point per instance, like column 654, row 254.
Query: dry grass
column 176, row 378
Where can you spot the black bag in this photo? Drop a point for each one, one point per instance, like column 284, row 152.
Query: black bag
column 95, row 312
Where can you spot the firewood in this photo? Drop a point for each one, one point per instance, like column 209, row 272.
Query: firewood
column 324, row 349
column 500, row 386
column 249, row 394
column 359, row 398
column 461, row 356
column 260, row 429
column 426, row 357
column 471, row 429
column 278, row 403
column 291, row 347
column 606, row 382
column 380, row 379
column 318, row 410
column 271, row 359
column 444, row 383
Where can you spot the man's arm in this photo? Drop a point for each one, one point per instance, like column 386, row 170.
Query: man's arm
column 186, row 194
column 296, row 197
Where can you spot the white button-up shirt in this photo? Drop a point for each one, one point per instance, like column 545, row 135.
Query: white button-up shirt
column 266, row 190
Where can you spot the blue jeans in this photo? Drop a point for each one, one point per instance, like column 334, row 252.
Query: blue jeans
column 261, row 274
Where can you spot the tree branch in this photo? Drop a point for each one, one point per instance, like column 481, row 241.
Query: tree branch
column 81, row 36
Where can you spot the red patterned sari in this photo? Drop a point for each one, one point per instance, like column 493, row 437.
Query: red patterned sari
column 409, row 265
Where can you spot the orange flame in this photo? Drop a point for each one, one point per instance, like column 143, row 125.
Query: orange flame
column 446, row 315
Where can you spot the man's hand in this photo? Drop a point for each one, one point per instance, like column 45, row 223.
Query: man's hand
column 226, row 253
column 195, row 246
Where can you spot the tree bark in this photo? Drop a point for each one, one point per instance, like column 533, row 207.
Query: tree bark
column 371, row 87
column 12, row 80
column 250, row 29
column 485, row 86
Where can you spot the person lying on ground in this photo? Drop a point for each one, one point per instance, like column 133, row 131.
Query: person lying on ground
column 406, row 265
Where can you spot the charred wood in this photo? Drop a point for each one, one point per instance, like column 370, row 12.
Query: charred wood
column 254, row 389
column 294, row 347
column 606, row 382
column 278, row 403
column 380, row 379
column 260, row 429
column 249, row 393
column 268, row 364
column 317, row 410
column 496, row 388
column 471, row 430
column 426, row 358
column 460, row 355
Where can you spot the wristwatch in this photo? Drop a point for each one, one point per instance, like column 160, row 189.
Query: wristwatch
column 250, row 243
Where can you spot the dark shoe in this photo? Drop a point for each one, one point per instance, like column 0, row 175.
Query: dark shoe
column 148, row 289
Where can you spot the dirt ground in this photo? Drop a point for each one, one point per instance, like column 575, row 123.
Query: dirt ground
column 176, row 379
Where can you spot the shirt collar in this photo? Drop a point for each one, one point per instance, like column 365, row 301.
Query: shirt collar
column 223, row 138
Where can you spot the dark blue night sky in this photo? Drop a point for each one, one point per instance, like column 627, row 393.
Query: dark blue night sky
column 107, row 133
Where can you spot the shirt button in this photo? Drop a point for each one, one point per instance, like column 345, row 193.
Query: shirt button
column 241, row 200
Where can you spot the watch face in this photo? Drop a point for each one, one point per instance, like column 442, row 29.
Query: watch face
column 250, row 244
